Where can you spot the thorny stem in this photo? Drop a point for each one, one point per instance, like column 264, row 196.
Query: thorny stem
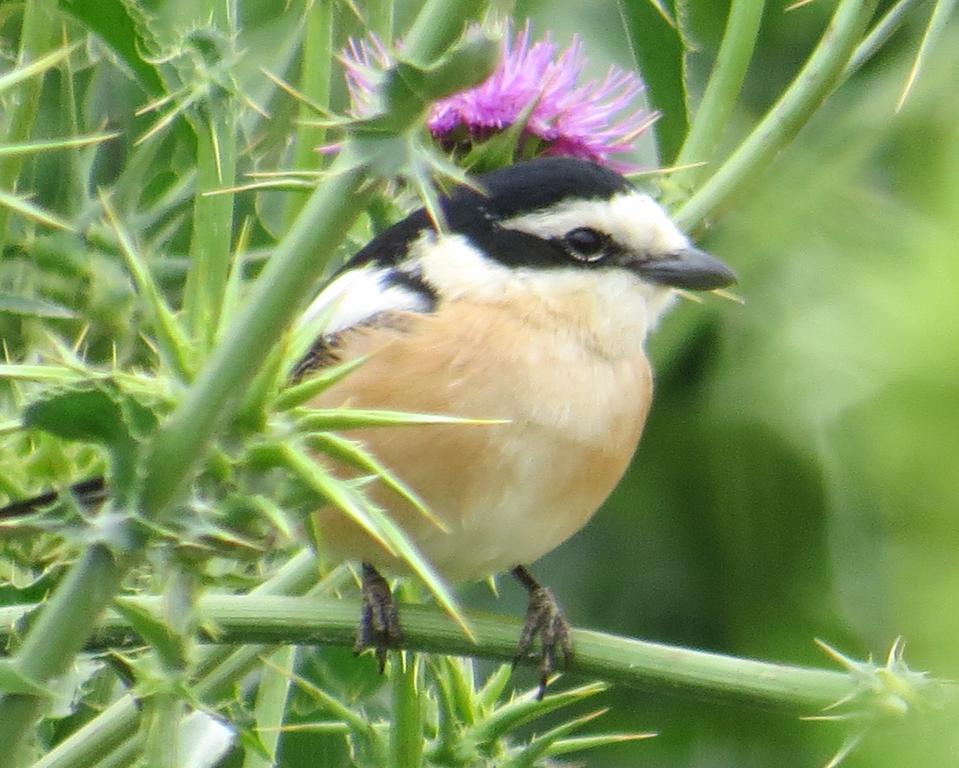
column 811, row 86
column 650, row 666
column 57, row 636
column 723, row 88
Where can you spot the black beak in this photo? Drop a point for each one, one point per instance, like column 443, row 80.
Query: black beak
column 689, row 268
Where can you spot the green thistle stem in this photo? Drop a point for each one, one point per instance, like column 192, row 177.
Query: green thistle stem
column 650, row 666
column 406, row 731
column 722, row 90
column 793, row 110
column 878, row 36
column 125, row 757
column 57, row 635
column 616, row 659
column 163, row 713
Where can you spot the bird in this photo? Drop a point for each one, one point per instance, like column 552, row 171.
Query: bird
column 530, row 308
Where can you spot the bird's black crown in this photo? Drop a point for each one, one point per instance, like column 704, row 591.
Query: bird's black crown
column 535, row 184
column 512, row 191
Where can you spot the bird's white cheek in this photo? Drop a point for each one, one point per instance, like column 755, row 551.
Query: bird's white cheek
column 457, row 269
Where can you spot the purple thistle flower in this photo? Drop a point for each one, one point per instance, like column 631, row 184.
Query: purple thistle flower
column 593, row 120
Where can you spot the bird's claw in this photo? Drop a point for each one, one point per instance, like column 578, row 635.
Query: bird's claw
column 379, row 627
column 544, row 618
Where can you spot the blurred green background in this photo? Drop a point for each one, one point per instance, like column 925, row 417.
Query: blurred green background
column 798, row 475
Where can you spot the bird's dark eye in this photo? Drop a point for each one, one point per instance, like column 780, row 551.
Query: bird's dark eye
column 585, row 244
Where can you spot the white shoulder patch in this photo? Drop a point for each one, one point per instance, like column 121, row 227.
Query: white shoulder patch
column 357, row 296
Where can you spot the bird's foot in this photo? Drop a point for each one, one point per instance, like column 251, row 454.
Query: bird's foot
column 379, row 622
column 544, row 618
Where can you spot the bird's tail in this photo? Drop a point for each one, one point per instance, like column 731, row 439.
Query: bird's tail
column 87, row 492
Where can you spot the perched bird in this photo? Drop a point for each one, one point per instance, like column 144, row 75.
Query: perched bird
column 531, row 306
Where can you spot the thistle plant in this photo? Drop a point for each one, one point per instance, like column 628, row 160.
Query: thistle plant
column 534, row 103
column 169, row 202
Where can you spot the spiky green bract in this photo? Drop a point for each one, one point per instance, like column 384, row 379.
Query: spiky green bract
column 441, row 716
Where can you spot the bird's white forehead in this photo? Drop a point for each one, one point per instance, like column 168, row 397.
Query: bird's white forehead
column 632, row 219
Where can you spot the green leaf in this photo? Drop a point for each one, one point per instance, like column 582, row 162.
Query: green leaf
column 253, row 746
column 461, row 683
column 272, row 696
column 555, row 742
column 583, row 743
column 369, row 517
column 422, row 568
column 500, row 149
column 319, row 381
column 335, row 419
column 527, row 708
column 26, row 209
column 123, row 26
column 274, row 513
column 253, row 414
column 86, row 413
column 162, row 638
column 97, row 412
column 235, row 283
column 341, row 711
column 447, row 744
column 658, row 51
column 352, row 452
column 34, row 147
column 494, row 686
column 409, row 87
column 21, row 305
column 171, row 339
column 36, row 67
column 321, row 482
column 60, row 374
column 12, row 680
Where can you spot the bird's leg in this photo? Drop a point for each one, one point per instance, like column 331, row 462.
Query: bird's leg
column 544, row 618
column 379, row 623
